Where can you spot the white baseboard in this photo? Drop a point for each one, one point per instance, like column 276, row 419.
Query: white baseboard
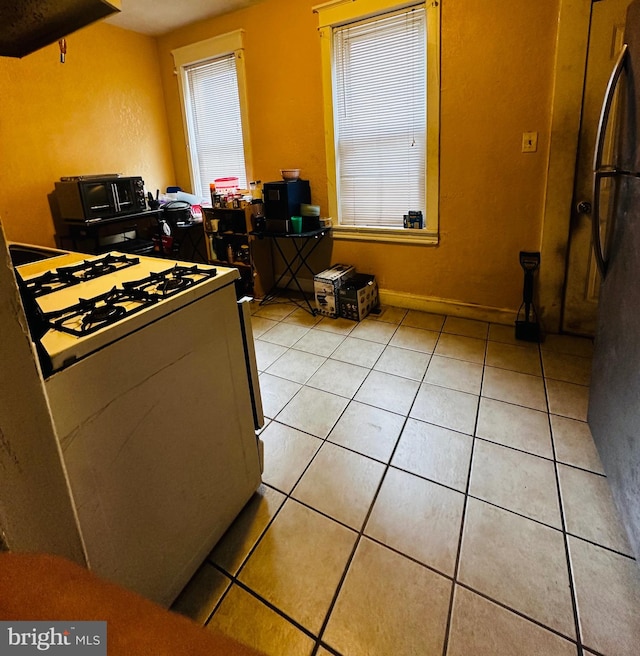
column 430, row 304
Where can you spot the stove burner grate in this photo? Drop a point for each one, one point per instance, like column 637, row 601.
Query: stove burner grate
column 90, row 315
column 169, row 285
column 102, row 266
column 50, row 281
column 171, row 281
column 73, row 274
column 107, row 313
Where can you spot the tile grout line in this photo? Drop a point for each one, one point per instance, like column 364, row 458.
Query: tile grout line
column 446, row 486
column 360, row 533
column 467, row 496
column 456, row 569
column 565, row 536
column 515, row 611
column 241, row 584
column 387, row 467
column 235, row 577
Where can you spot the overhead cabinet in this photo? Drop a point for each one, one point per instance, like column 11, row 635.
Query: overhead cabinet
column 28, row 25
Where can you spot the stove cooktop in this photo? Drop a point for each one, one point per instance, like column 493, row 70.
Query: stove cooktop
column 91, row 314
column 81, row 307
column 73, row 274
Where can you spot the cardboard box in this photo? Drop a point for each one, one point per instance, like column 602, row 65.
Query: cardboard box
column 358, row 296
column 326, row 285
column 414, row 220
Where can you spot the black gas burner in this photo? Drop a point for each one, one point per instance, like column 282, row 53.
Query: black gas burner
column 90, row 269
column 73, row 274
column 51, row 281
column 89, row 315
column 171, row 281
column 107, row 313
column 165, row 287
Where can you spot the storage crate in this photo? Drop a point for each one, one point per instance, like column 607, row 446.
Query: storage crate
column 326, row 285
column 358, row 296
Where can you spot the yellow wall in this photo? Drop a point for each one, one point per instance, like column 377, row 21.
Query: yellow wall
column 497, row 73
column 101, row 112
column 284, row 87
column 104, row 111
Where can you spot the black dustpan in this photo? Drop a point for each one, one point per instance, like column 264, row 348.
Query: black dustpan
column 527, row 330
column 527, row 324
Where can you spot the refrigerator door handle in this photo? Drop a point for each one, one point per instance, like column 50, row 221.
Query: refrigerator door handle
column 599, row 171
column 595, row 222
column 606, row 106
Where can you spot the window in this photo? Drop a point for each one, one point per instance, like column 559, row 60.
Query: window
column 215, row 126
column 211, row 76
column 381, row 108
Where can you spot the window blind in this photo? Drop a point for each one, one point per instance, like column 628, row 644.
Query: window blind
column 215, row 124
column 380, row 118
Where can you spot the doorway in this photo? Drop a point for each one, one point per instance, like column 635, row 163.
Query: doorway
column 582, row 282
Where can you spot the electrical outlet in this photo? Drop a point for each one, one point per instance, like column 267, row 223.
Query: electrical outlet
column 529, row 142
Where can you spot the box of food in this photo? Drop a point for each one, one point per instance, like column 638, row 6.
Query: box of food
column 326, row 285
column 414, row 220
column 358, row 296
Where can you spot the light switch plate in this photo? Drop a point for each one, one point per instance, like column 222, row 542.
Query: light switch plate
column 529, row 142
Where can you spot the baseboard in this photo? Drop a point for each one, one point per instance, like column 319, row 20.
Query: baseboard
column 431, row 304
column 447, row 306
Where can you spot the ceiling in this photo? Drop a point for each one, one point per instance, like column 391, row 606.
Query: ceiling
column 156, row 17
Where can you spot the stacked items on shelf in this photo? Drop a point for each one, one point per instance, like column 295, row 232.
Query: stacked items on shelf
column 228, row 226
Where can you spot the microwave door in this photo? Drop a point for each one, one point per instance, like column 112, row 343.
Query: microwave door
column 98, row 199
column 122, row 197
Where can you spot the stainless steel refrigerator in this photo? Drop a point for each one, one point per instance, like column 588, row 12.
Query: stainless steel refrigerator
column 614, row 402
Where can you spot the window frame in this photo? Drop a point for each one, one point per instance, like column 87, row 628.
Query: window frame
column 231, row 43
column 342, row 12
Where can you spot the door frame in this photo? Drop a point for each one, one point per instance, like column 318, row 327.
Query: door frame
column 574, row 19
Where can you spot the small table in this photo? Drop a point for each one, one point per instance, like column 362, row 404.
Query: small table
column 304, row 244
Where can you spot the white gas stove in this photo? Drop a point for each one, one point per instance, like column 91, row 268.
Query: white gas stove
column 77, row 308
column 148, row 399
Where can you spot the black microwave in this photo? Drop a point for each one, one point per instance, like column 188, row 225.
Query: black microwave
column 93, row 198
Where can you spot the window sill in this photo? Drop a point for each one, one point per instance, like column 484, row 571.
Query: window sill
column 388, row 235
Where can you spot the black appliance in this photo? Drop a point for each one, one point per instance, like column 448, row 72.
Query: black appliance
column 177, row 213
column 94, row 198
column 282, row 199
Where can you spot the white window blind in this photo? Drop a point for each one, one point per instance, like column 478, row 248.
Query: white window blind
column 380, row 118
column 215, row 124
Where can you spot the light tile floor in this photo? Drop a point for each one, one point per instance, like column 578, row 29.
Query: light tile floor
column 430, row 487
